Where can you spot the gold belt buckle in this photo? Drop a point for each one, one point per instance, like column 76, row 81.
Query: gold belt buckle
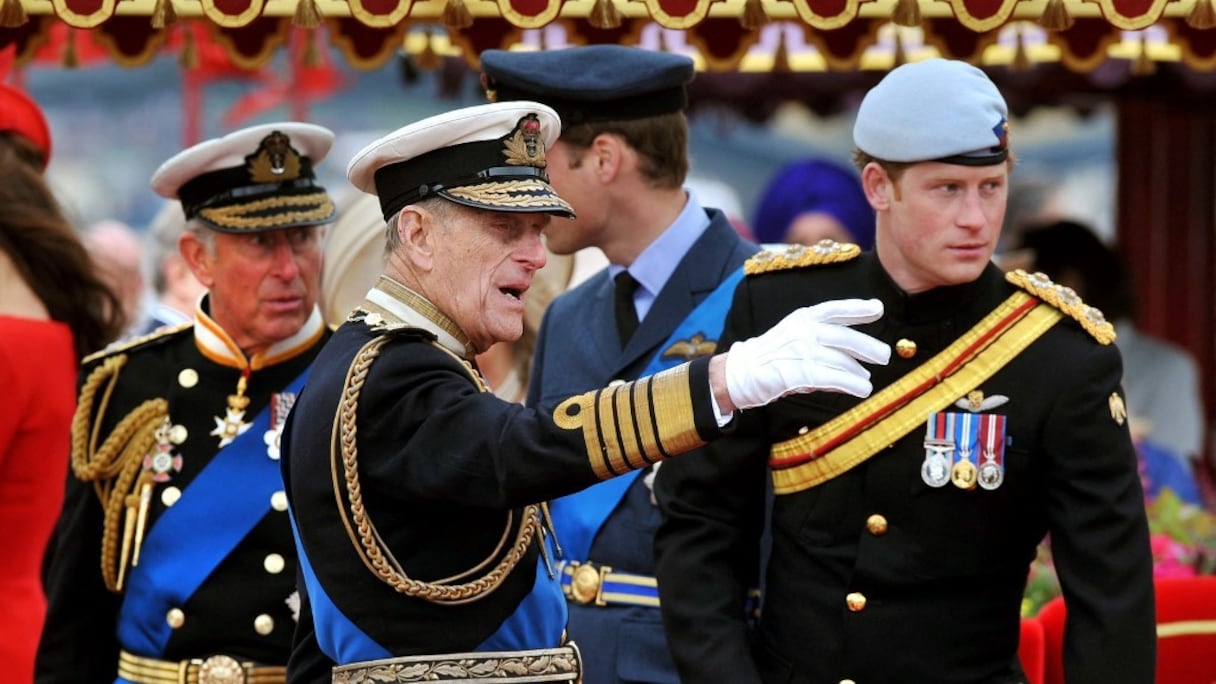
column 587, row 584
column 220, row 669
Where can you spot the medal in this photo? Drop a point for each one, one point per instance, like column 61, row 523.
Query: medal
column 280, row 405
column 992, row 470
column 233, row 424
column 935, row 471
column 160, row 460
column 963, row 473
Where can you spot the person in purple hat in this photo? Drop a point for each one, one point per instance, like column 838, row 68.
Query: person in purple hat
column 811, row 200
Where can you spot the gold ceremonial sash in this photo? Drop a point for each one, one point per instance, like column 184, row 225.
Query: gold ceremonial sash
column 857, row 434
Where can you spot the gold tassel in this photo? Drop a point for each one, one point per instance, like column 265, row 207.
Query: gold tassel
column 781, row 58
column 1055, row 16
column 310, row 57
column 428, row 59
column 163, row 14
column 189, row 54
column 12, row 14
column 307, row 14
column 1144, row 65
column 1021, row 60
column 70, row 59
column 604, row 15
column 907, row 13
column 1201, row 16
column 754, row 16
column 456, row 15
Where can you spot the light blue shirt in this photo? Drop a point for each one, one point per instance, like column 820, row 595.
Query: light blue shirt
column 656, row 263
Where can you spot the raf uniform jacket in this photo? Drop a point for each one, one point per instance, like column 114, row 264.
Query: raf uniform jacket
column 444, row 468
column 577, row 350
column 244, row 607
column 876, row 577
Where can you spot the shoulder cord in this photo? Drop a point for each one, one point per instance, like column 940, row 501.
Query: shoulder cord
column 364, row 536
column 113, row 467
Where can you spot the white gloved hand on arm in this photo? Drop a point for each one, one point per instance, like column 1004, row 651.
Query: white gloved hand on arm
column 812, row 349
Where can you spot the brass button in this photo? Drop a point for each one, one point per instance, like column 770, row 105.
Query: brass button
column 877, row 525
column 278, row 501
column 905, row 348
column 274, row 563
column 585, row 583
column 616, row 382
column 803, row 430
column 176, row 618
column 178, row 434
column 263, row 624
column 856, row 601
column 847, row 681
column 170, row 495
column 187, row 378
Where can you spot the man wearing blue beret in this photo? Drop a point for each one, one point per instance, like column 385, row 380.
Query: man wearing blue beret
column 621, row 161
column 903, row 524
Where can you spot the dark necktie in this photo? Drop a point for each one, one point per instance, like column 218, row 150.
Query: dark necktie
column 626, row 312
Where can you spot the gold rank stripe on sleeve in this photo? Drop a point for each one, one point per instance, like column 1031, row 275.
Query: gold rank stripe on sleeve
column 629, row 426
column 857, row 434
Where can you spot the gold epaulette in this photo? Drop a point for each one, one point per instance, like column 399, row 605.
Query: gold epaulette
column 1067, row 300
column 127, row 345
column 779, row 258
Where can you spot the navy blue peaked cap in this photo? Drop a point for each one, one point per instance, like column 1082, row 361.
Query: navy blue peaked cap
column 591, row 83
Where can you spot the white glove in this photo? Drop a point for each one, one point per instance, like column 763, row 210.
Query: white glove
column 811, row 349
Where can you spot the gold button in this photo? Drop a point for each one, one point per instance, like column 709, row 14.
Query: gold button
column 274, row 563
column 856, row 601
column 905, row 348
column 176, row 618
column 170, row 495
column 263, row 624
column 278, row 501
column 803, row 430
column 178, row 434
column 877, row 525
column 847, row 681
column 616, row 383
column 187, row 378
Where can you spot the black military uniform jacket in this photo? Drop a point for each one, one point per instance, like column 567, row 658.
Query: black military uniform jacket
column 245, row 607
column 878, row 578
column 445, row 473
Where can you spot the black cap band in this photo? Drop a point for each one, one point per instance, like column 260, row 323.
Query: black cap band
column 217, row 188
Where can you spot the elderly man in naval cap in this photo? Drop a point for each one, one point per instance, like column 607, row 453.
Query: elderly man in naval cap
column 426, row 550
column 174, row 558
column 903, row 525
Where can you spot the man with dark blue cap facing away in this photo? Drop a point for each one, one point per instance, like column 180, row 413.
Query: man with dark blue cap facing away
column 621, row 161
column 903, row 525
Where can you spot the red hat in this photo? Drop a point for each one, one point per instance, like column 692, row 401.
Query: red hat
column 21, row 115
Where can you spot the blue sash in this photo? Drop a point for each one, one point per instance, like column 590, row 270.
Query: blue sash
column 190, row 539
column 577, row 518
column 337, row 637
column 538, row 621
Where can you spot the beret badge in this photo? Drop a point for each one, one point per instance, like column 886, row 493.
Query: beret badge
column 1001, row 131
column 524, row 145
column 274, row 161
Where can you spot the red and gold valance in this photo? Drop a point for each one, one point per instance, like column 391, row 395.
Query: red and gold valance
column 724, row 35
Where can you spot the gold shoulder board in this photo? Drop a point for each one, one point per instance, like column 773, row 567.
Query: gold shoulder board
column 783, row 257
column 127, row 345
column 1065, row 299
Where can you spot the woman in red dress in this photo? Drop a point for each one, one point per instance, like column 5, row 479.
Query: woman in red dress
column 53, row 310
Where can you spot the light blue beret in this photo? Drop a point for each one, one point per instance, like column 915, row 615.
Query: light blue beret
column 935, row 110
